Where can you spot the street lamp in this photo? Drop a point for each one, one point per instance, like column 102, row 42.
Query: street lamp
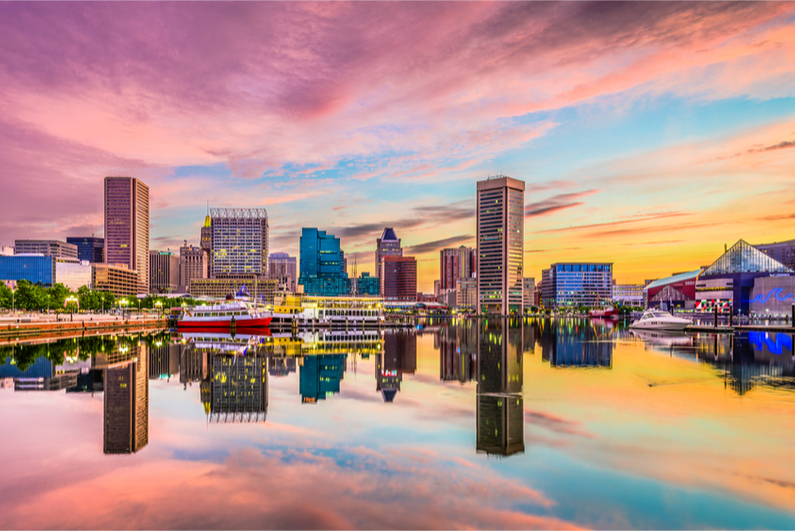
column 70, row 301
column 123, row 302
column 159, row 304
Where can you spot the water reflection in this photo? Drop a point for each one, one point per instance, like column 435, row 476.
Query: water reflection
column 233, row 371
column 500, row 406
column 744, row 360
column 577, row 342
column 307, row 411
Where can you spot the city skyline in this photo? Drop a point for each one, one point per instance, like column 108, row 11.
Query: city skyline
column 648, row 134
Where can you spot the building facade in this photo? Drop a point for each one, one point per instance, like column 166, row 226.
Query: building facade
column 321, row 262
column 283, row 268
column 387, row 245
column 728, row 282
column 127, row 226
column 366, row 285
column 73, row 274
column 193, row 264
column 120, row 281
column 628, row 294
column 676, row 291
column 567, row 285
column 529, row 292
column 163, row 272
column 89, row 249
column 500, row 240
column 206, row 243
column 33, row 268
column 54, row 248
column 239, row 241
column 399, row 278
column 782, row 252
column 455, row 264
column 260, row 289
column 466, row 293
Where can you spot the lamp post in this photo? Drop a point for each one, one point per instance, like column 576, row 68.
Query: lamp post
column 159, row 305
column 70, row 301
column 122, row 302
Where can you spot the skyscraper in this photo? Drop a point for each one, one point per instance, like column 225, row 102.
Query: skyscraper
column 127, row 226
column 500, row 237
column 163, row 272
column 283, row 268
column 206, row 243
column 192, row 264
column 89, row 249
column 399, row 278
column 239, row 241
column 387, row 245
column 321, row 264
column 455, row 264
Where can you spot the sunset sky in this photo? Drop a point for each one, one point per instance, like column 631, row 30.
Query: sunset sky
column 648, row 134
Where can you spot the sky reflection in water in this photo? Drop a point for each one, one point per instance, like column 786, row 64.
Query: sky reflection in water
column 553, row 424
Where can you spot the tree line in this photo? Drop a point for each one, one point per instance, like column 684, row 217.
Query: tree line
column 38, row 298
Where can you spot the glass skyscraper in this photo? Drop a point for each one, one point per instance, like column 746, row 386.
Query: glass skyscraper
column 321, row 271
column 500, row 240
column 89, row 249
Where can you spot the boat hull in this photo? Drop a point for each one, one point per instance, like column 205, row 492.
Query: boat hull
column 224, row 324
column 665, row 326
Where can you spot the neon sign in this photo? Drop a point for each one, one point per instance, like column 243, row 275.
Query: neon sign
column 771, row 293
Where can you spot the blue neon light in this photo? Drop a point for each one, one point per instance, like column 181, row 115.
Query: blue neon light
column 775, row 345
column 770, row 293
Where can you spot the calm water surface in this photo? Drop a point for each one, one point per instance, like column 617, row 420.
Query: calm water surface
column 546, row 423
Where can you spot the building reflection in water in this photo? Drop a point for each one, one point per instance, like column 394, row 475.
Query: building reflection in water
column 457, row 351
column 126, row 397
column 320, row 376
column 398, row 358
column 234, row 375
column 745, row 360
column 500, row 406
column 164, row 360
column 576, row 343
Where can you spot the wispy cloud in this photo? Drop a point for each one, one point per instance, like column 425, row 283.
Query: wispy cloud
column 555, row 203
column 437, row 245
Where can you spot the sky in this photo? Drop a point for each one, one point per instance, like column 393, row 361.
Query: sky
column 648, row 134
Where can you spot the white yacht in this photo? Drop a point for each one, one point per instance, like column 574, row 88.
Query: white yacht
column 660, row 320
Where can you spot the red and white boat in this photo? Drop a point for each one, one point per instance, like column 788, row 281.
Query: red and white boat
column 604, row 313
column 231, row 314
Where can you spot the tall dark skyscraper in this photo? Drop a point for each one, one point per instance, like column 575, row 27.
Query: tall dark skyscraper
column 126, row 400
column 127, row 226
column 500, row 241
column 387, row 245
column 399, row 278
column 500, row 406
column 321, row 267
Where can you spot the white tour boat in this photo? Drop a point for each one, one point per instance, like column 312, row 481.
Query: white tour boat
column 660, row 320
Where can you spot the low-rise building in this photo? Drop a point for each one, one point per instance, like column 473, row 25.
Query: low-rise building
column 628, row 294
column 116, row 279
column 676, row 291
column 35, row 268
column 54, row 248
column 261, row 289
column 73, row 274
column 578, row 284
